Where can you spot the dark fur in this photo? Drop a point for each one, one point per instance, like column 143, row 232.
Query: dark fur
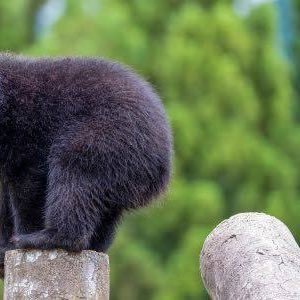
column 81, row 141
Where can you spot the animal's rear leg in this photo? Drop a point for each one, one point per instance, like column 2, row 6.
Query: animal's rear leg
column 105, row 232
column 72, row 212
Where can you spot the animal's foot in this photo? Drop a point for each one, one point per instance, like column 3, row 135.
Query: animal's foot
column 48, row 239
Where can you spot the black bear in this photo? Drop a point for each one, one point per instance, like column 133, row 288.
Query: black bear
column 81, row 141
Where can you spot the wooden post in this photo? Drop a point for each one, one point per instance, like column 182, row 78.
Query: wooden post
column 56, row 274
column 251, row 256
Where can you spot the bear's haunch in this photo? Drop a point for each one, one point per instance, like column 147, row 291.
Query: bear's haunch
column 81, row 141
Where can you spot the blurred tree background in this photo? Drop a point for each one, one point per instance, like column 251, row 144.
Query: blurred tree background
column 233, row 102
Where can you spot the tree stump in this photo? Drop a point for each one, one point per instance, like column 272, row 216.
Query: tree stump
column 251, row 256
column 56, row 274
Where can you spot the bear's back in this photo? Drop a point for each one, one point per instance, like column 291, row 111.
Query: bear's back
column 72, row 86
column 46, row 98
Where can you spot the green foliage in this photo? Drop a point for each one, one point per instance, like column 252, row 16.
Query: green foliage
column 231, row 105
column 296, row 46
column 16, row 23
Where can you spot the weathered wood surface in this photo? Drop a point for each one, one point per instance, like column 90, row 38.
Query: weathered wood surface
column 56, row 274
column 251, row 256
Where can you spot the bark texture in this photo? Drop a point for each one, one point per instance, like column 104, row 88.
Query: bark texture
column 56, row 274
column 251, row 256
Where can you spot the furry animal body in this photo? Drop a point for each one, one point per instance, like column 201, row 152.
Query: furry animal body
column 81, row 141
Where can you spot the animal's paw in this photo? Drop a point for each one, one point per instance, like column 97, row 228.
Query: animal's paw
column 36, row 240
column 47, row 239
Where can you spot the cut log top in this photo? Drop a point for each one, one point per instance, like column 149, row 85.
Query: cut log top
column 56, row 274
column 251, row 256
